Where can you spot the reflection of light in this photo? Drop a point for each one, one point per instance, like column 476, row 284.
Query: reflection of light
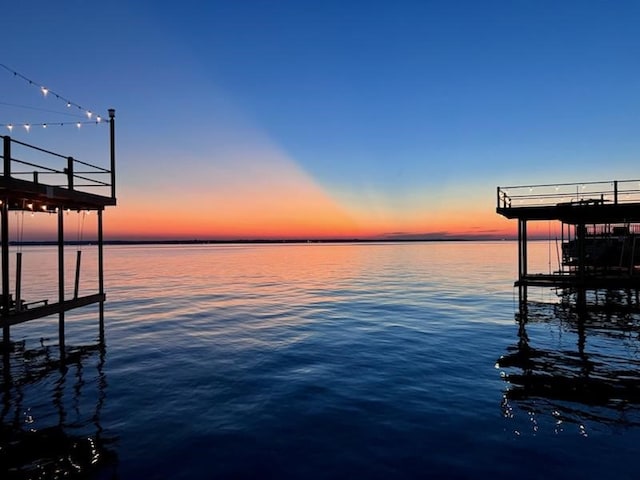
column 45, row 90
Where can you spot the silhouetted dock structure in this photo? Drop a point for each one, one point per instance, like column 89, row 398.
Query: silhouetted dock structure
column 597, row 281
column 40, row 181
column 600, row 225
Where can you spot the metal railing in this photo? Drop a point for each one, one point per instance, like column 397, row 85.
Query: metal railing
column 585, row 193
column 27, row 162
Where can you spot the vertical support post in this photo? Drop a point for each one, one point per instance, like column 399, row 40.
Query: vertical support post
column 76, row 285
column 5, row 273
column 519, row 250
column 101, row 274
column 561, row 267
column 581, row 231
column 112, row 129
column 61, row 280
column 70, row 172
column 18, row 281
column 522, row 261
column 524, row 249
column 615, row 192
column 7, row 156
column 6, row 300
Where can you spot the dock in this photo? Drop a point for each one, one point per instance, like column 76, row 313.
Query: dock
column 597, row 284
column 41, row 181
column 600, row 230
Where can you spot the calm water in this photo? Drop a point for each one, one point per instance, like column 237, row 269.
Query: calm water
column 320, row 361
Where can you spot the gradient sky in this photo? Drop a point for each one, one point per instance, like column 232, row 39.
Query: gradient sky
column 265, row 119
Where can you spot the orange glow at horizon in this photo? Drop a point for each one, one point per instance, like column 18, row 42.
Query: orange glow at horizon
column 255, row 191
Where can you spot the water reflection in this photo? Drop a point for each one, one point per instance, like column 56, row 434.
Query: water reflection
column 50, row 416
column 576, row 364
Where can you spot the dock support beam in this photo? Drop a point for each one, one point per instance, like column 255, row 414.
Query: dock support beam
column 61, row 280
column 6, row 337
column 6, row 302
column 522, row 260
column 112, row 149
column 101, row 274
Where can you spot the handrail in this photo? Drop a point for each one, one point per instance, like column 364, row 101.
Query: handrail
column 613, row 191
column 87, row 175
column 34, row 147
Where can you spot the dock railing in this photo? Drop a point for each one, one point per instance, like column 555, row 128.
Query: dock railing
column 27, row 162
column 608, row 192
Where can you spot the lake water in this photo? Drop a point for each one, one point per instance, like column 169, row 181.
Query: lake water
column 318, row 361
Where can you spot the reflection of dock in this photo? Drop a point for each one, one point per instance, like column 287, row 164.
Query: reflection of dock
column 39, row 181
column 595, row 380
column 62, row 438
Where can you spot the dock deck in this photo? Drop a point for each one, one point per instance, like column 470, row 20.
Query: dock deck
column 595, row 215
column 37, row 180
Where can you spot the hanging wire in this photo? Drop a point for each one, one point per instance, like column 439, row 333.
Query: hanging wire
column 38, row 109
column 80, row 235
column 19, row 229
column 46, row 91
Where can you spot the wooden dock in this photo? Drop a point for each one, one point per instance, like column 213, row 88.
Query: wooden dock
column 39, row 181
column 600, row 230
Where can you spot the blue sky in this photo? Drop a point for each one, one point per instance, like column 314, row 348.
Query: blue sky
column 389, row 108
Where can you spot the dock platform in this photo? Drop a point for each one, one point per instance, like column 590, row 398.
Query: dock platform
column 600, row 231
column 38, row 180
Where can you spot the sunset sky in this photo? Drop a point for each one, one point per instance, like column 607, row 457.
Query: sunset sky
column 296, row 119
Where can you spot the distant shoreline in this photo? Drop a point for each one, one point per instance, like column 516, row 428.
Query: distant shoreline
column 249, row 242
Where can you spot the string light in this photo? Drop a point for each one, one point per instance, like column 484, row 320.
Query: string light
column 46, row 91
column 27, row 126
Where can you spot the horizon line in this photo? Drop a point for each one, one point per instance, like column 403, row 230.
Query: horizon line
column 260, row 241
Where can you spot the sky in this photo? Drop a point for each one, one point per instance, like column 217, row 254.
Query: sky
column 326, row 119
